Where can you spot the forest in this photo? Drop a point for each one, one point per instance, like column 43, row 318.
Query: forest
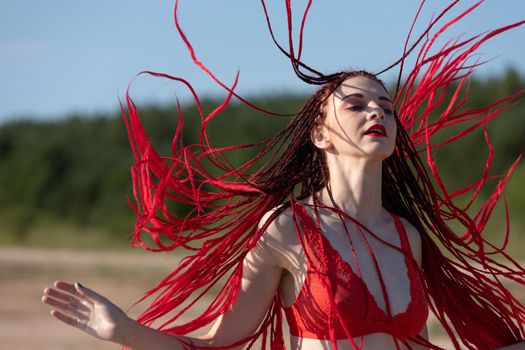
column 67, row 182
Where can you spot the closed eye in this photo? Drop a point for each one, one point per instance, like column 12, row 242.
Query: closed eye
column 356, row 108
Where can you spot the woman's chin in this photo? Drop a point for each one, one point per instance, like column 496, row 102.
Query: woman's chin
column 379, row 153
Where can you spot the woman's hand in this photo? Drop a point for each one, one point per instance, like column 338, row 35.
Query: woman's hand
column 86, row 310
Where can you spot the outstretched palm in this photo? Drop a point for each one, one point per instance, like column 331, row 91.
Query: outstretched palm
column 86, row 310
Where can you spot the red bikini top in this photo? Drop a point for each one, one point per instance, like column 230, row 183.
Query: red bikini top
column 311, row 316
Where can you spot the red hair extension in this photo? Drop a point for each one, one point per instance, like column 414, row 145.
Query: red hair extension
column 201, row 65
column 464, row 287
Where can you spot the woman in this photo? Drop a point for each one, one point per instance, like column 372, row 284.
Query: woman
column 355, row 132
column 338, row 232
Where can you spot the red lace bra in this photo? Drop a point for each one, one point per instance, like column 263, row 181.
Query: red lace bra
column 310, row 315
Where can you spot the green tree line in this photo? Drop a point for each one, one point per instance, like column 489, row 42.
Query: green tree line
column 75, row 171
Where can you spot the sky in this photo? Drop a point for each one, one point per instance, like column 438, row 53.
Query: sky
column 61, row 57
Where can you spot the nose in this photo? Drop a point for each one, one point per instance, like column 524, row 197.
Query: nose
column 376, row 113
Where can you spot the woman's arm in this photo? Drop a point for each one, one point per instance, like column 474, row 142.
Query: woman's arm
column 94, row 314
column 260, row 281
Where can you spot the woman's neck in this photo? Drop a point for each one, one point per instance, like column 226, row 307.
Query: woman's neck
column 356, row 188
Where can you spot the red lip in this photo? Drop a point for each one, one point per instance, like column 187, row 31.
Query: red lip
column 376, row 130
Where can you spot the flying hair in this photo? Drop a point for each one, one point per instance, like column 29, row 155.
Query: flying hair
column 462, row 274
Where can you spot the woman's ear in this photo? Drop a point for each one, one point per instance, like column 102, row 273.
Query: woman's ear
column 319, row 136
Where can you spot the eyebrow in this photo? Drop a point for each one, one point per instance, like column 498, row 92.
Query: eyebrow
column 381, row 98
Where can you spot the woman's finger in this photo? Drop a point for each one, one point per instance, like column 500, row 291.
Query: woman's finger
column 70, row 304
column 66, row 297
column 67, row 287
column 89, row 294
column 70, row 320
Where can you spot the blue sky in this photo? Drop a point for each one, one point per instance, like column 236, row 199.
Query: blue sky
column 59, row 57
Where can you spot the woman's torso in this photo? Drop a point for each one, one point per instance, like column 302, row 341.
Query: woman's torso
column 361, row 253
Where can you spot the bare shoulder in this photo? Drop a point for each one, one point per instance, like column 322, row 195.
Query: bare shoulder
column 414, row 238
column 279, row 238
column 280, row 224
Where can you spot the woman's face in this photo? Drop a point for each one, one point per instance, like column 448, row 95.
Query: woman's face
column 358, row 121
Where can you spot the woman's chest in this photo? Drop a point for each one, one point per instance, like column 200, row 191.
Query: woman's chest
column 357, row 264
